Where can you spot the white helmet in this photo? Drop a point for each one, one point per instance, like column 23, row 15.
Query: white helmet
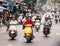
column 28, row 14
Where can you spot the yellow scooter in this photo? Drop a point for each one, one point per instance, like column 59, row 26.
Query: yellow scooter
column 28, row 34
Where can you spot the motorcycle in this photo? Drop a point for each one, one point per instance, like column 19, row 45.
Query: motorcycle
column 50, row 23
column 20, row 19
column 12, row 31
column 46, row 30
column 37, row 25
column 56, row 21
column 59, row 20
column 28, row 34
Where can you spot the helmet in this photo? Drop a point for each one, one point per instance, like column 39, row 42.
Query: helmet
column 28, row 14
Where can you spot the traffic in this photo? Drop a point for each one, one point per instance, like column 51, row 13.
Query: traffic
column 31, row 22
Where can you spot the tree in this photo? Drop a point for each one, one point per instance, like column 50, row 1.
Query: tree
column 43, row 1
column 34, row 1
column 58, row 1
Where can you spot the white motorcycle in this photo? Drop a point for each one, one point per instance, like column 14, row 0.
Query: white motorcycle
column 37, row 25
column 12, row 31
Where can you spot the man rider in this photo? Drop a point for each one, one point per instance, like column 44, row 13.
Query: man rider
column 13, row 21
column 46, row 23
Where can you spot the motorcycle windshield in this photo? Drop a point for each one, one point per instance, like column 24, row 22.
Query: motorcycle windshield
column 37, row 23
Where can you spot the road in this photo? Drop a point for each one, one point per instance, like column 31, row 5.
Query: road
column 39, row 40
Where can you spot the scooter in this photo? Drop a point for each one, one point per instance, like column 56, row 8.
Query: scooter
column 56, row 21
column 28, row 34
column 50, row 23
column 37, row 25
column 59, row 20
column 20, row 19
column 46, row 30
column 12, row 32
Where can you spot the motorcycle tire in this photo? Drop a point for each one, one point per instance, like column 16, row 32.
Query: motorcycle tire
column 56, row 21
column 37, row 30
column 12, row 38
column 59, row 20
column 46, row 36
column 28, row 40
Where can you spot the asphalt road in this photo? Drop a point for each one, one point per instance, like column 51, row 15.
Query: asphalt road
column 39, row 40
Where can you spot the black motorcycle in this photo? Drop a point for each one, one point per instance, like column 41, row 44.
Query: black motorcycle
column 50, row 23
column 46, row 31
column 56, row 21
column 59, row 20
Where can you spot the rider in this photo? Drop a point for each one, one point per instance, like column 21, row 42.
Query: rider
column 50, row 20
column 46, row 23
column 13, row 21
column 29, row 21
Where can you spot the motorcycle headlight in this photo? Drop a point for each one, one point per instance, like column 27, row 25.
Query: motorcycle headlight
column 27, row 34
column 12, row 32
column 37, row 26
column 46, row 29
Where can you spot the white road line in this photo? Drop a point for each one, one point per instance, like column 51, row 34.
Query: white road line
column 9, row 45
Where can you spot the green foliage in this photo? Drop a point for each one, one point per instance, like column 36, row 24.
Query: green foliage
column 30, row 0
column 34, row 1
column 26, row 1
column 43, row 1
column 58, row 1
